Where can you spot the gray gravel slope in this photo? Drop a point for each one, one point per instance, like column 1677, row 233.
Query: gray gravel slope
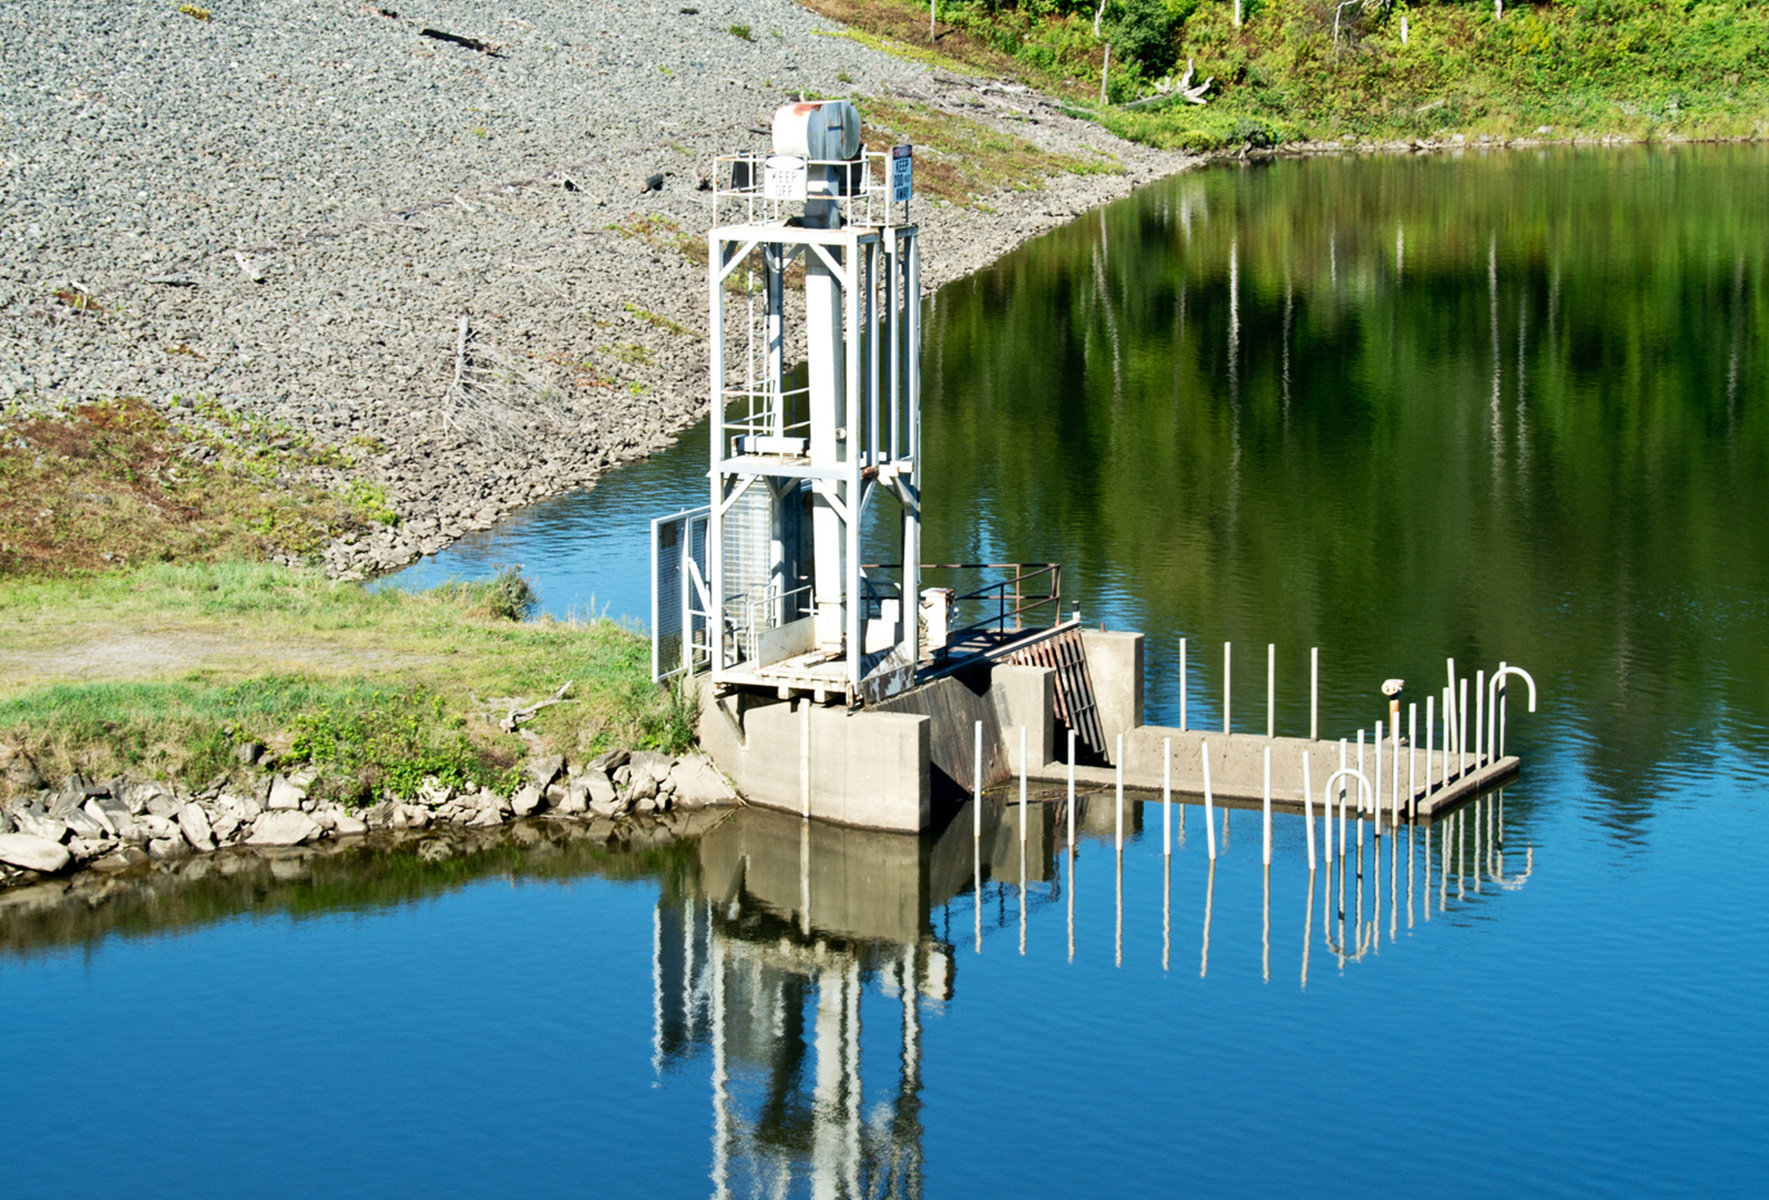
column 290, row 206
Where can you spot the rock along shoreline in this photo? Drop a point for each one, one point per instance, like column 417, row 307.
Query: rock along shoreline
column 129, row 826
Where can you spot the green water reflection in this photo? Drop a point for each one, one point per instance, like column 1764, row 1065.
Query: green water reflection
column 1495, row 407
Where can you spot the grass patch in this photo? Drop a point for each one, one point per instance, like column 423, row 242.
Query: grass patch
column 960, row 160
column 659, row 321
column 113, row 483
column 375, row 689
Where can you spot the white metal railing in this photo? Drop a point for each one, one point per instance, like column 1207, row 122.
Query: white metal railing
column 860, row 188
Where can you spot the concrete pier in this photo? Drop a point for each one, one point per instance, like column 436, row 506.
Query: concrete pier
column 898, row 764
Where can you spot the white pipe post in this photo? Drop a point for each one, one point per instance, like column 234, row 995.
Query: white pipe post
column 1462, row 729
column 1266, row 815
column 1393, row 769
column 1271, row 689
column 1360, row 796
column 1118, row 769
column 1413, row 761
column 1225, row 686
column 1071, row 789
column 1449, row 706
column 1022, row 783
column 1308, row 818
column 1377, row 798
column 1342, row 765
column 1167, row 797
column 1449, row 732
column 1495, row 719
column 1209, row 812
column 1314, row 692
column 1430, row 737
column 1479, row 718
column 1182, row 684
column 976, row 783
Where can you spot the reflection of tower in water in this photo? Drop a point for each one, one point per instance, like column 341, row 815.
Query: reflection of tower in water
column 766, row 962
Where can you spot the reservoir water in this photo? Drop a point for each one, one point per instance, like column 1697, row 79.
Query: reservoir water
column 1508, row 406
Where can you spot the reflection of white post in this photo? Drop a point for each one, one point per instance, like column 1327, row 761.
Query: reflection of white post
column 1266, row 815
column 1023, row 766
column 657, row 990
column 827, row 1174
column 1209, row 815
column 1167, row 797
column 721, row 1096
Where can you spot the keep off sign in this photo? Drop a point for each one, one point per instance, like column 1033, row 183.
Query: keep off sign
column 902, row 173
column 784, row 177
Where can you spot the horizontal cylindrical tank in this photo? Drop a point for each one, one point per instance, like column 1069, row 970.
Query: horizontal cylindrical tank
column 826, row 130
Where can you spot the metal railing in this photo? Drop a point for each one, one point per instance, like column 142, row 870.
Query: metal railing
column 993, row 605
column 860, row 187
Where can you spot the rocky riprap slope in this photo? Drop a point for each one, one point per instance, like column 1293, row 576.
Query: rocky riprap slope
column 125, row 825
column 290, row 206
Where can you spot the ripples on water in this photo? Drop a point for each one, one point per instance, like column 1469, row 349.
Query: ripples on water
column 1498, row 407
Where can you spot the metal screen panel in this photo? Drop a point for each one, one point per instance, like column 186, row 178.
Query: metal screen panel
column 678, row 593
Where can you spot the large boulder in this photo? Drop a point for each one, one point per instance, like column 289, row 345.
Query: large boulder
column 36, row 824
column 283, row 828
column 698, row 784
column 284, row 795
column 33, row 853
column 543, row 769
column 113, row 815
column 194, row 823
column 527, row 801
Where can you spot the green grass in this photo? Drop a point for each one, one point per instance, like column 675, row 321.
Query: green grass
column 376, row 689
column 959, row 160
column 94, row 486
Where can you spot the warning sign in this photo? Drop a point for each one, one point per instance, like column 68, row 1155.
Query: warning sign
column 902, row 173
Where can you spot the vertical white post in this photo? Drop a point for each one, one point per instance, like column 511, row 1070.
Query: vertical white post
column 1118, row 769
column 1314, row 692
column 1413, row 761
column 1022, row 783
column 1071, row 804
column 1377, row 797
column 1342, row 765
column 1449, row 732
column 1266, row 814
column 1182, row 683
column 1394, row 768
column 1308, row 817
column 1479, row 718
column 1271, row 689
column 1430, row 737
column 1360, row 795
column 1167, row 797
column 1462, row 728
column 1225, row 686
column 1495, row 716
column 1209, row 812
column 976, row 789
column 1449, row 705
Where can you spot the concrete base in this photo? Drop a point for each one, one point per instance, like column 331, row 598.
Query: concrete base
column 1237, row 769
column 865, row 768
column 889, row 766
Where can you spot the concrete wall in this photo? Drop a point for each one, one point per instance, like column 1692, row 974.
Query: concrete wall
column 1002, row 697
column 867, row 768
column 1237, row 763
column 1115, row 664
